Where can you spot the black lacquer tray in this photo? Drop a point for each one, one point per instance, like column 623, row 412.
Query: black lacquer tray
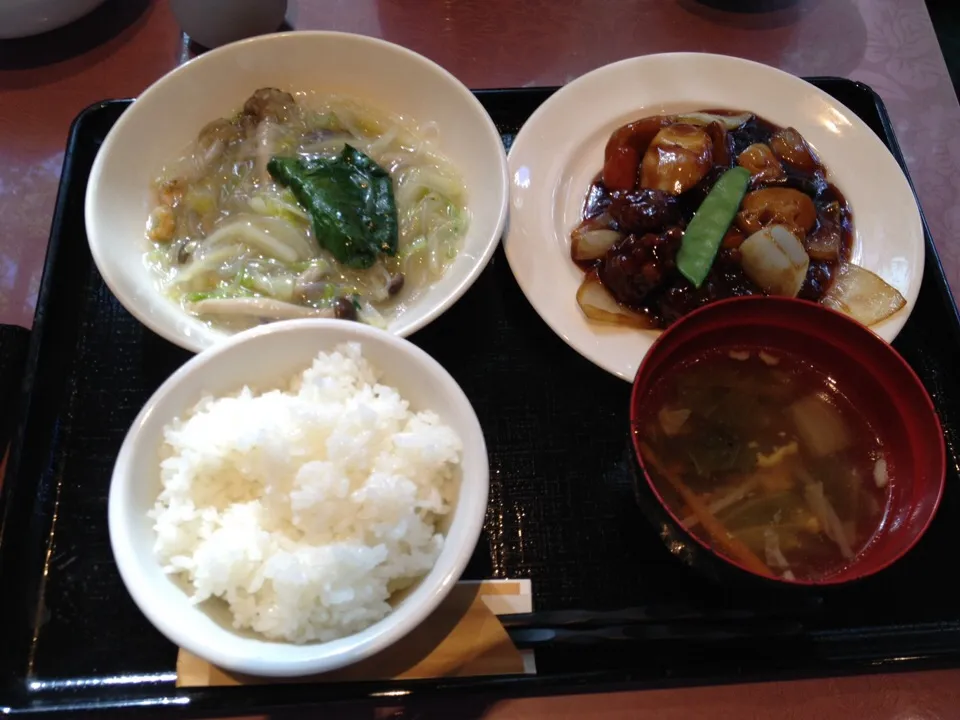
column 614, row 609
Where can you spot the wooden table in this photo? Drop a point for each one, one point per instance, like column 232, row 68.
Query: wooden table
column 889, row 44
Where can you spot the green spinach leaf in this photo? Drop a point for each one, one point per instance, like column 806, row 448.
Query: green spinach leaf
column 350, row 201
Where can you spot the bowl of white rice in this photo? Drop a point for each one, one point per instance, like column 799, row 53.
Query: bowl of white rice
column 299, row 497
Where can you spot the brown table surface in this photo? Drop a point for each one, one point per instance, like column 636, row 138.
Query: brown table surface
column 889, row 44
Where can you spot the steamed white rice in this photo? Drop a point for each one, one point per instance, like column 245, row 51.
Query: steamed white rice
column 305, row 509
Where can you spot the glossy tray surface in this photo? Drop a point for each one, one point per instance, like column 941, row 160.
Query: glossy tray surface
column 613, row 608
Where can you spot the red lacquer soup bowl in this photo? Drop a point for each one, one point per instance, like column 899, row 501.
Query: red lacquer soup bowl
column 879, row 386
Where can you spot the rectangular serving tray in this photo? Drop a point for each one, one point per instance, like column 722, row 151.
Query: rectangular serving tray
column 614, row 610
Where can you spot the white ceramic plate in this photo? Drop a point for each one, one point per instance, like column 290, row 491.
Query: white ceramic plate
column 559, row 151
column 157, row 128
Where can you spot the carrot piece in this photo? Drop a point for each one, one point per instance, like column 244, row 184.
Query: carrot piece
column 732, row 545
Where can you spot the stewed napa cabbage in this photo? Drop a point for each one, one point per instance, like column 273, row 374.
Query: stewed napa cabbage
column 313, row 208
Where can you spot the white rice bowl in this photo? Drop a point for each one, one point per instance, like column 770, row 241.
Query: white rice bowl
column 315, row 561
column 305, row 509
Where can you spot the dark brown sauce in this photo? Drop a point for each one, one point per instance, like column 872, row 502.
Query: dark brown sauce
column 673, row 296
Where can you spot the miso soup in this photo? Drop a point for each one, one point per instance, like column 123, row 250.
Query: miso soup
column 763, row 459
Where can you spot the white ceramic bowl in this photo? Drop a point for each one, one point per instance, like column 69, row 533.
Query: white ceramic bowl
column 24, row 18
column 157, row 128
column 265, row 357
column 559, row 151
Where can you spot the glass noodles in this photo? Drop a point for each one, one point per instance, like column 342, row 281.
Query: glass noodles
column 305, row 207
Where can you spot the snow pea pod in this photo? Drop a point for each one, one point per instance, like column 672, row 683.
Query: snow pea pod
column 700, row 243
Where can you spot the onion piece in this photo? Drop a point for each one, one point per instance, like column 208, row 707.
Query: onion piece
column 730, row 122
column 775, row 260
column 829, row 520
column 593, row 238
column 881, row 474
column 826, row 243
column 593, row 244
column 598, row 304
column 771, row 546
column 820, row 425
column 672, row 421
column 863, row 295
column 723, row 502
column 207, row 261
column 721, row 143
